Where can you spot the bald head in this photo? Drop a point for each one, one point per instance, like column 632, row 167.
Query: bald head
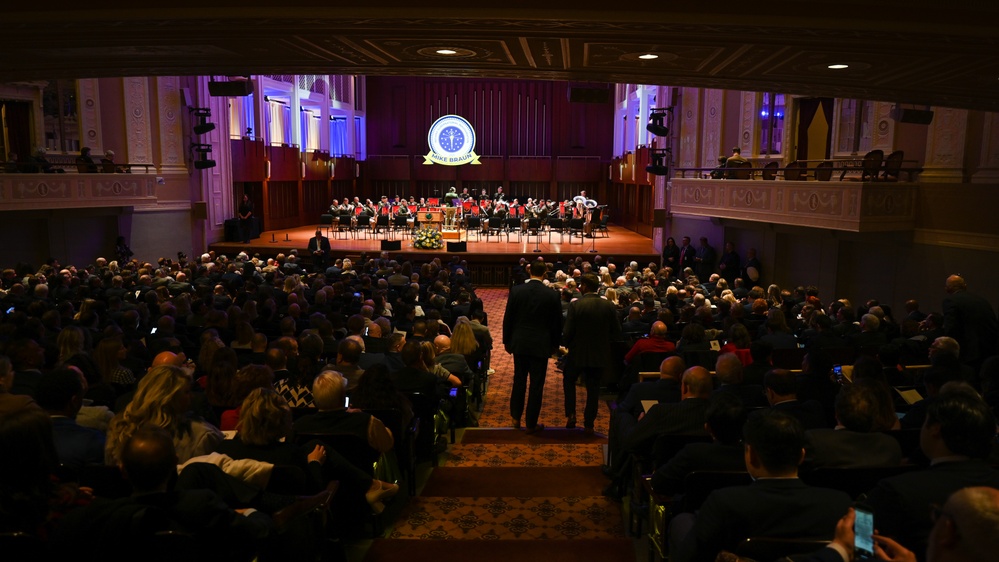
column 658, row 330
column 955, row 284
column 442, row 344
column 696, row 383
column 672, row 368
column 169, row 358
column 966, row 529
column 729, row 369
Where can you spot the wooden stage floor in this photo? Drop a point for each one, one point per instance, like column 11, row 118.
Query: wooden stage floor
column 621, row 244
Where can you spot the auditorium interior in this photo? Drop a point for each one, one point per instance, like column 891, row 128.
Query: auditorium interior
column 314, row 103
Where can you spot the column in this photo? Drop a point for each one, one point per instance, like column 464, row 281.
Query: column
column 988, row 163
column 711, row 128
column 945, row 146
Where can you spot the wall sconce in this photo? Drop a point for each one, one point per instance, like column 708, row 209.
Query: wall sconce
column 203, row 126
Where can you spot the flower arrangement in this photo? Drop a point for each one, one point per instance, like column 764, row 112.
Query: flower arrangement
column 428, row 238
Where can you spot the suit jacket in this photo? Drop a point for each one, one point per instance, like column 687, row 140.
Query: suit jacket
column 591, row 326
column 809, row 412
column 783, row 507
column 842, row 448
column 697, row 456
column 532, row 325
column 319, row 243
column 687, row 255
column 971, row 320
column 662, row 390
column 901, row 503
column 751, row 395
column 684, row 417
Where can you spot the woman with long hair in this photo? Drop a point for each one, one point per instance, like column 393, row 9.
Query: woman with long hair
column 109, row 353
column 463, row 343
column 247, row 379
column 163, row 399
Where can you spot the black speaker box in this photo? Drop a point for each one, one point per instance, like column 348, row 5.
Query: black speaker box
column 233, row 88
column 917, row 116
column 391, row 245
column 589, row 95
column 454, row 247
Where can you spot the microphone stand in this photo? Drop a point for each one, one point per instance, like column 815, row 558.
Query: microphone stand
column 593, row 248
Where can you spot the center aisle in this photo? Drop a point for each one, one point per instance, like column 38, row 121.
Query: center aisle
column 524, row 494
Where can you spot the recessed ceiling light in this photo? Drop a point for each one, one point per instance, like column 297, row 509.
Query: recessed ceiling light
column 446, row 52
column 648, row 56
column 838, row 66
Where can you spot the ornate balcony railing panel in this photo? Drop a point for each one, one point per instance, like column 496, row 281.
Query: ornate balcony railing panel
column 848, row 206
column 65, row 191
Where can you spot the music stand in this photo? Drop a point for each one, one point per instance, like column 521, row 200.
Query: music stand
column 593, row 247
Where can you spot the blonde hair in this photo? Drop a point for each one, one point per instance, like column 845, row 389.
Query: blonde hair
column 264, row 417
column 70, row 342
column 160, row 400
column 463, row 340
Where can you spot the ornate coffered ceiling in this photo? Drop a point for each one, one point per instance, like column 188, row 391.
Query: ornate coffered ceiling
column 943, row 54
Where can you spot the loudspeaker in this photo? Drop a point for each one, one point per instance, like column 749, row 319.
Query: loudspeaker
column 455, row 247
column 233, row 88
column 659, row 217
column 391, row 245
column 589, row 95
column 917, row 116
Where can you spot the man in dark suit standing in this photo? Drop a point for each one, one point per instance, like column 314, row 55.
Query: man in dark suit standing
column 532, row 330
column 319, row 246
column 591, row 327
column 971, row 321
column 776, row 504
column 687, row 256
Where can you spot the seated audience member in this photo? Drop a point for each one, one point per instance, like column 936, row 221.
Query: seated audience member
column 348, row 354
column 870, row 334
column 247, row 380
column 455, row 363
column 957, row 436
column 415, row 376
column 761, row 354
column 119, row 527
column 376, row 391
column 27, row 358
column 60, row 393
column 10, row 403
column 964, row 529
column 729, row 369
column 777, row 333
column 739, row 342
column 665, row 389
column 854, row 442
column 682, row 418
column 776, row 504
column 725, row 417
column 330, row 392
column 430, row 360
column 781, row 389
column 163, row 399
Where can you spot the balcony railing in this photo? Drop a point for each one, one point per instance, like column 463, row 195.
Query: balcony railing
column 64, row 191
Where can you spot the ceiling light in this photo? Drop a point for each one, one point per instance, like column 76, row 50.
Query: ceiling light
column 446, row 52
column 838, row 66
column 648, row 56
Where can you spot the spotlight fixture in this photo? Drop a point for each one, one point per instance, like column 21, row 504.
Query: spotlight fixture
column 202, row 150
column 660, row 161
column 659, row 121
column 203, row 126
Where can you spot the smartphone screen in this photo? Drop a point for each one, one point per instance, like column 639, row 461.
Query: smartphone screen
column 454, row 392
column 863, row 531
column 838, row 371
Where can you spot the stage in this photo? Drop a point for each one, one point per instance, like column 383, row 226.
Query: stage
column 490, row 258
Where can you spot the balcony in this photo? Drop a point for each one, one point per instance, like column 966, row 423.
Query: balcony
column 71, row 191
column 846, row 206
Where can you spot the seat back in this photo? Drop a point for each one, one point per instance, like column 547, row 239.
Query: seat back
column 872, row 164
column 325, row 219
column 699, row 484
column 794, row 171
column 823, row 172
column 556, row 223
column 788, row 358
column 853, row 481
column 770, row 170
column 893, row 165
column 667, row 446
column 767, row 548
column 741, row 171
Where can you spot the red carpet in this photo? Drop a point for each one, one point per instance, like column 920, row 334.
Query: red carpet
column 515, row 482
column 604, row 550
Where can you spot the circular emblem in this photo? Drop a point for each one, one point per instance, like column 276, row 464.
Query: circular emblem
column 452, row 139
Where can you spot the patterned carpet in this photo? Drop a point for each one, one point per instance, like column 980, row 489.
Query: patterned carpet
column 538, row 494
